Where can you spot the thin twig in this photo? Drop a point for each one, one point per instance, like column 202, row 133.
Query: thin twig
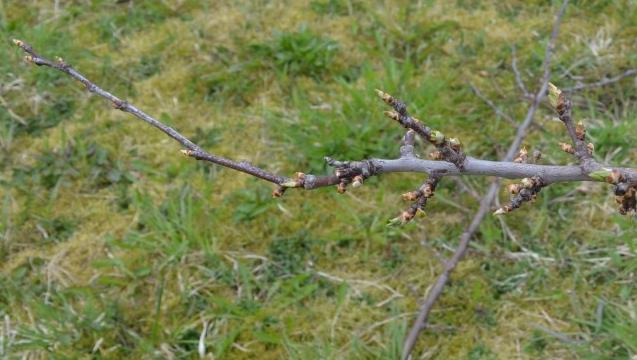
column 603, row 82
column 518, row 75
column 485, row 204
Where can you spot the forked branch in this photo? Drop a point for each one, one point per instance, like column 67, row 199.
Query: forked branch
column 448, row 159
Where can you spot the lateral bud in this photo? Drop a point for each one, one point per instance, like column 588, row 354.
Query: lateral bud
column 503, row 210
column 278, row 192
column 615, row 177
column 428, row 190
column 357, row 181
column 411, row 196
column 580, row 131
column 527, row 183
column 436, row 137
column 590, row 147
column 514, row 188
column 341, row 188
column 406, row 216
column 392, row 115
column 17, row 42
column 187, row 152
column 522, row 157
column 567, row 148
column 455, row 144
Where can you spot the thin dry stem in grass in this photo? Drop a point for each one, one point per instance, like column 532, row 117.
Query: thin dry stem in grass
column 449, row 159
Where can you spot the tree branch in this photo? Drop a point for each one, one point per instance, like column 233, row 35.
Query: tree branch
column 450, row 161
column 485, row 204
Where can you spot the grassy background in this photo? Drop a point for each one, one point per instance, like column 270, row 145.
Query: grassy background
column 112, row 245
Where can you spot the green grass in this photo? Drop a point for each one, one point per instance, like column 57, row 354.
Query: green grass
column 113, row 245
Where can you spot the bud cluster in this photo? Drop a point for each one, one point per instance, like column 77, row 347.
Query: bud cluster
column 448, row 149
column 419, row 197
column 346, row 174
column 526, row 190
column 563, row 106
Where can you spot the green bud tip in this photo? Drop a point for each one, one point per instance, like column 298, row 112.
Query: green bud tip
column 437, row 137
column 554, row 94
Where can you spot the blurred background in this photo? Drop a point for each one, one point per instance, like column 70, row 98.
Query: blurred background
column 113, row 245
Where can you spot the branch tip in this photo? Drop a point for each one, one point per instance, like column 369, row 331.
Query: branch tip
column 554, row 94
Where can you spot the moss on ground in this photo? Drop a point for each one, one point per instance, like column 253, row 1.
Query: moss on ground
column 112, row 245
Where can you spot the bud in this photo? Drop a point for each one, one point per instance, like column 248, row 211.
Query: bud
column 300, row 176
column 527, row 183
column 435, row 155
column 28, row 58
column 567, row 148
column 17, row 42
column 590, row 147
column 392, row 115
column 615, row 177
column 514, row 188
column 277, row 193
column 580, row 131
column 436, row 137
column 341, row 188
column 522, row 156
column 537, row 155
column 554, row 94
column 357, row 181
column 501, row 211
column 455, row 144
column 385, row 96
column 406, row 216
column 187, row 152
column 59, row 60
column 428, row 191
column 411, row 196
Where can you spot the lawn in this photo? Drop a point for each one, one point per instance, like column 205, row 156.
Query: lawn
column 114, row 245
